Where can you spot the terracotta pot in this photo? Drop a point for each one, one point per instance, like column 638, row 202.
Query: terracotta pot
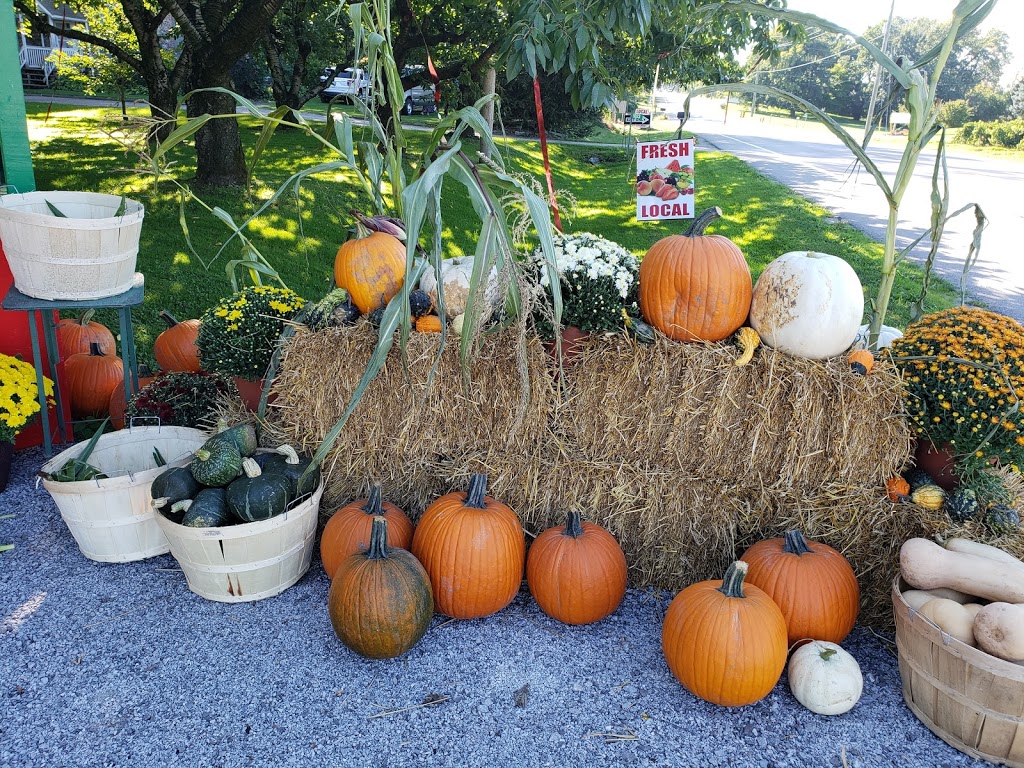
column 573, row 340
column 939, row 462
column 6, row 457
column 251, row 390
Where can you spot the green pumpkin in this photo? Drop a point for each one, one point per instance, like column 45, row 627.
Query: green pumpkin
column 173, row 485
column 217, row 463
column 209, row 509
column 241, row 436
column 1002, row 519
column 640, row 331
column 285, row 461
column 962, row 504
column 258, row 496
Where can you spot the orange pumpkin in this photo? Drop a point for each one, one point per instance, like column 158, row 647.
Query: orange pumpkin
column 695, row 287
column 474, row 550
column 348, row 531
column 812, row 583
column 117, row 404
column 74, row 335
column 576, row 572
column 428, row 324
column 380, row 602
column 725, row 641
column 371, row 267
column 175, row 349
column 91, row 378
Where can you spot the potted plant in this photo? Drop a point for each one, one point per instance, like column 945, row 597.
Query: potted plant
column 19, row 404
column 599, row 286
column 182, row 398
column 238, row 335
column 963, row 370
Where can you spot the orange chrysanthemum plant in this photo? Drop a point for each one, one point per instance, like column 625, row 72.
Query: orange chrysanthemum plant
column 963, row 370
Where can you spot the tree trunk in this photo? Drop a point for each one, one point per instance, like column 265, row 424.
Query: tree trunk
column 220, row 161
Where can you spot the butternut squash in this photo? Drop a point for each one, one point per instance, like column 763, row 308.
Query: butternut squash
column 926, row 565
column 951, row 617
column 999, row 630
column 973, row 609
column 982, row 550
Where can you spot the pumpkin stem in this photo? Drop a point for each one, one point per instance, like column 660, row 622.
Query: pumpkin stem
column 290, row 456
column 86, row 317
column 378, row 549
column 573, row 525
column 827, row 654
column 251, row 468
column 168, row 318
column 94, row 349
column 732, row 582
column 796, row 544
column 162, row 501
column 373, row 504
column 476, row 496
column 701, row 222
column 181, row 506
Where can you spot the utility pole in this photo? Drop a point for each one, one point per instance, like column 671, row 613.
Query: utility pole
column 877, row 76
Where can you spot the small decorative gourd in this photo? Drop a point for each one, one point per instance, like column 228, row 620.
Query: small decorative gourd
column 1002, row 519
column 474, row 549
column 725, row 641
column 241, row 436
column 825, row 678
column 929, row 497
column 962, row 504
column 812, row 583
column 897, row 489
column 748, row 340
column 576, row 572
column 916, row 477
column 349, row 529
column 428, row 324
column 380, row 601
column 420, row 303
column 861, row 362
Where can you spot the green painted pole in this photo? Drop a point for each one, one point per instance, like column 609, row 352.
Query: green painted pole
column 14, row 147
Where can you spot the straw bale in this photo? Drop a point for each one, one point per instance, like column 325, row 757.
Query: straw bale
column 685, row 457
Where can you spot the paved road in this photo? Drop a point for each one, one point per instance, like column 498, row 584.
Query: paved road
column 813, row 163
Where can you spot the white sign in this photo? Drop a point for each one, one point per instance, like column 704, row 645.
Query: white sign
column 664, row 180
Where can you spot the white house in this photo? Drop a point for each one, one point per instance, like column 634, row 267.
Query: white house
column 38, row 70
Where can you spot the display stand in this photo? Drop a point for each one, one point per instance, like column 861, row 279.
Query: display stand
column 44, row 310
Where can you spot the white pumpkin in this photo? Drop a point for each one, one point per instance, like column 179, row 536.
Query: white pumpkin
column 456, row 275
column 807, row 304
column 825, row 678
column 886, row 336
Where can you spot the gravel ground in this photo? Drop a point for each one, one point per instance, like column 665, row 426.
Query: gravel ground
column 120, row 665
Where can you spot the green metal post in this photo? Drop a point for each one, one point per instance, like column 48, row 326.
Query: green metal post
column 14, row 147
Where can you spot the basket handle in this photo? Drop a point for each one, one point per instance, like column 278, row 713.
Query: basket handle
column 4, row 189
column 131, row 421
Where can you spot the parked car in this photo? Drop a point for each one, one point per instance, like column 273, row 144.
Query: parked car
column 350, row 83
column 420, row 98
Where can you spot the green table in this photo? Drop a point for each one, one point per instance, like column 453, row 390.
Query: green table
column 15, row 301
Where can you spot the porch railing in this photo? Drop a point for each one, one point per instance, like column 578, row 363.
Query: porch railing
column 35, row 57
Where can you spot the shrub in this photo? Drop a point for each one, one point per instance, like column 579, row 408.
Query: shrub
column 954, row 114
column 1008, row 134
column 966, row 134
column 519, row 113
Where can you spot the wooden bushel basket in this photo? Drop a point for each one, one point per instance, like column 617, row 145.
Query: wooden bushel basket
column 969, row 699
column 250, row 561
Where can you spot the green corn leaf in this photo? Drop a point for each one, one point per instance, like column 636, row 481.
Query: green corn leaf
column 270, row 124
column 122, row 207
column 6, row 547
column 55, row 210
column 183, row 132
column 158, row 458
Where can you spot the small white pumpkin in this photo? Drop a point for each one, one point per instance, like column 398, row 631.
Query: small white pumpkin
column 825, row 678
column 456, row 324
column 808, row 305
column 456, row 275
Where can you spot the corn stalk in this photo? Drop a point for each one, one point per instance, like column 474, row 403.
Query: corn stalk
column 920, row 96
column 397, row 185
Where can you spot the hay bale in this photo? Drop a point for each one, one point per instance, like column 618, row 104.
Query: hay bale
column 686, row 458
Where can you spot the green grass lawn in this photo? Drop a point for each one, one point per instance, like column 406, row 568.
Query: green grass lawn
column 73, row 151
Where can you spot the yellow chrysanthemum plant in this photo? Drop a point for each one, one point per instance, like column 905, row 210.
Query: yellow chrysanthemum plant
column 963, row 370
column 239, row 334
column 19, row 396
